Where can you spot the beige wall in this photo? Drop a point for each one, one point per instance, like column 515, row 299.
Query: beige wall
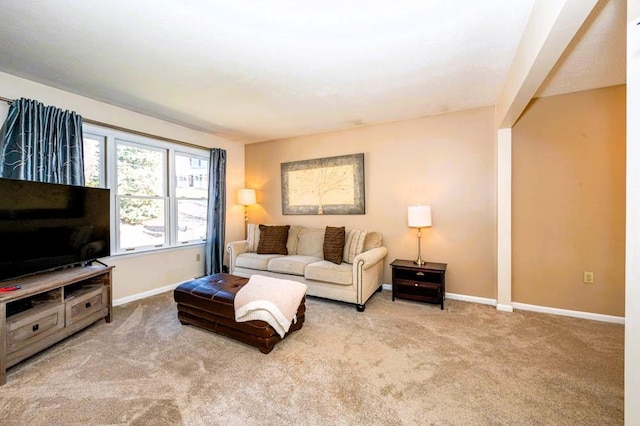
column 446, row 161
column 569, row 202
column 141, row 273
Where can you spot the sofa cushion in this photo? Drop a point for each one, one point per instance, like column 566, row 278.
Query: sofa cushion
column 310, row 241
column 292, row 264
column 255, row 260
column 273, row 239
column 353, row 244
column 330, row 272
column 333, row 247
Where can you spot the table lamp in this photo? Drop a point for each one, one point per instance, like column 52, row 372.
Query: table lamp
column 419, row 217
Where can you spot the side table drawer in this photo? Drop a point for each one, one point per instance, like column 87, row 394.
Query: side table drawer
column 420, row 276
column 415, row 288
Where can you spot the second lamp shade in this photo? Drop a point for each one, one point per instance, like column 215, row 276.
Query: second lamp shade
column 419, row 216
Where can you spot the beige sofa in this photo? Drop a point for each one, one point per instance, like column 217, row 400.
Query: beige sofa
column 354, row 280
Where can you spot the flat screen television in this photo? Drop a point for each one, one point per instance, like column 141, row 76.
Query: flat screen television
column 46, row 226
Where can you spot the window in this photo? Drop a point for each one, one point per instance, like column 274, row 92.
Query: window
column 94, row 165
column 141, row 196
column 159, row 190
column 191, row 194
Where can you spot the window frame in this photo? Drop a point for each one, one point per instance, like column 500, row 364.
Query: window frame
column 110, row 138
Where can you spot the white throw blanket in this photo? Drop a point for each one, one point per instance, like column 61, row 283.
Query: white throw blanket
column 272, row 300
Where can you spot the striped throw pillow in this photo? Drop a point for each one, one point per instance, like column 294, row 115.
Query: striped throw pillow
column 353, row 244
column 253, row 236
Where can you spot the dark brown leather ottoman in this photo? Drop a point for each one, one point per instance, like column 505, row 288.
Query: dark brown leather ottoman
column 208, row 303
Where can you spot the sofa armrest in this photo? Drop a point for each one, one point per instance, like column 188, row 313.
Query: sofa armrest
column 234, row 249
column 370, row 257
column 368, row 269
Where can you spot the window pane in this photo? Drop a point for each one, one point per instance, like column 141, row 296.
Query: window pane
column 192, row 220
column 140, row 171
column 142, row 222
column 192, row 177
column 92, row 161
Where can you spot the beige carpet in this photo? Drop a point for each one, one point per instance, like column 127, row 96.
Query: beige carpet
column 397, row 363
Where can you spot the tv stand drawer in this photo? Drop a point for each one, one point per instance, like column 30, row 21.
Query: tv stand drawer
column 85, row 303
column 31, row 326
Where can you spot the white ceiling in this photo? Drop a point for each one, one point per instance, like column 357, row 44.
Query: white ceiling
column 255, row 70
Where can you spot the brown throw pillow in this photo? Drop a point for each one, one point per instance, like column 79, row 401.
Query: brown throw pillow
column 333, row 246
column 273, row 239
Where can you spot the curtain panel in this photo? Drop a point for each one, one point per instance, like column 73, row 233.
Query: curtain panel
column 214, row 246
column 42, row 143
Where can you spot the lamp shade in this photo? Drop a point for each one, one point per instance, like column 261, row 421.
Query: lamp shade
column 246, row 197
column 419, row 216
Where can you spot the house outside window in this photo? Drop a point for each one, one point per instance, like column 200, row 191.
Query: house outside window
column 159, row 190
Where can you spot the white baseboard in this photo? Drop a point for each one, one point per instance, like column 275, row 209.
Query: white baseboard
column 569, row 313
column 527, row 307
column 474, row 299
column 143, row 295
column 453, row 296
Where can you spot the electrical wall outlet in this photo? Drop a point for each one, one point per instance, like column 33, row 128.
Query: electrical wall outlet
column 197, row 257
column 588, row 277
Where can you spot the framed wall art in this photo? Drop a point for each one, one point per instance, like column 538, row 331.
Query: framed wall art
column 332, row 185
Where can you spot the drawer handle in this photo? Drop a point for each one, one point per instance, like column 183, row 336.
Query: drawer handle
column 420, row 274
column 35, row 327
column 87, row 305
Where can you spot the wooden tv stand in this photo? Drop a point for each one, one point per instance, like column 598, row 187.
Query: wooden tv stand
column 50, row 307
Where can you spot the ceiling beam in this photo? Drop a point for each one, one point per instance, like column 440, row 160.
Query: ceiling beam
column 551, row 26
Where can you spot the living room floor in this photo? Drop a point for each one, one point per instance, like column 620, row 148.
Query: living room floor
column 397, row 363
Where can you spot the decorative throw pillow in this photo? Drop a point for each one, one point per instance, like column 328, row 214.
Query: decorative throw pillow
column 333, row 247
column 253, row 236
column 273, row 239
column 353, row 244
column 310, row 242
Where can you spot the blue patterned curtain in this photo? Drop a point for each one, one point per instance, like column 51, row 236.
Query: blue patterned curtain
column 42, row 143
column 214, row 247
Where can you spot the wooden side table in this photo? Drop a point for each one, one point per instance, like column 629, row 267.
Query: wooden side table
column 424, row 283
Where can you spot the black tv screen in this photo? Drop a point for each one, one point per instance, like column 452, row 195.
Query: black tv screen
column 45, row 226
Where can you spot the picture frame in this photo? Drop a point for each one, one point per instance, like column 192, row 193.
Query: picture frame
column 324, row 186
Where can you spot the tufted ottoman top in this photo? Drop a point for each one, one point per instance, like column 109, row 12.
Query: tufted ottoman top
column 213, row 293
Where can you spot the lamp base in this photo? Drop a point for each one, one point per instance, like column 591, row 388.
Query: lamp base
column 419, row 260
